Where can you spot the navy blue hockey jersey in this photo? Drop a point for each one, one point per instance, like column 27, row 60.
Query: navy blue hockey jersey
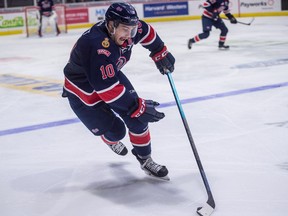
column 95, row 62
column 46, row 7
column 215, row 6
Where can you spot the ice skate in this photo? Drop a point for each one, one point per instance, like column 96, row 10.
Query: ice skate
column 222, row 46
column 151, row 168
column 57, row 30
column 119, row 148
column 190, row 43
column 39, row 33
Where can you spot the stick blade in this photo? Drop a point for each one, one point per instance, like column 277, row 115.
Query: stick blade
column 206, row 210
column 251, row 21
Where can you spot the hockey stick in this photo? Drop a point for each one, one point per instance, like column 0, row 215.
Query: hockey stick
column 209, row 207
column 243, row 22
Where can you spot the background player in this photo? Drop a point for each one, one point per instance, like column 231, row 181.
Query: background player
column 47, row 15
column 210, row 17
column 97, row 88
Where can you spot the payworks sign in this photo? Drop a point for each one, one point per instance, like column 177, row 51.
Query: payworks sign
column 165, row 9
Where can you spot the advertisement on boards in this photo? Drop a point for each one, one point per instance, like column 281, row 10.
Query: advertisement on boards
column 250, row 6
column 97, row 14
column 166, row 9
column 77, row 15
column 11, row 20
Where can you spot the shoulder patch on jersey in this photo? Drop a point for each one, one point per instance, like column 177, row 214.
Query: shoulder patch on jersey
column 106, row 43
column 104, row 52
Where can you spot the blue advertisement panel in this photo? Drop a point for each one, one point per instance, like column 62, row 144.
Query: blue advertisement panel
column 166, row 9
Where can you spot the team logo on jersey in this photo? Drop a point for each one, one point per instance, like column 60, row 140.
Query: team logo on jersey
column 121, row 62
column 106, row 43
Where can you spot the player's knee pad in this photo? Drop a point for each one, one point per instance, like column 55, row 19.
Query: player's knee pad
column 117, row 131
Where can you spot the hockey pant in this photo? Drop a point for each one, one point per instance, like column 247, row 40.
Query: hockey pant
column 51, row 21
column 101, row 120
column 207, row 27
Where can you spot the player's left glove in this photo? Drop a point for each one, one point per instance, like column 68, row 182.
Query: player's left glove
column 164, row 60
column 231, row 18
column 145, row 111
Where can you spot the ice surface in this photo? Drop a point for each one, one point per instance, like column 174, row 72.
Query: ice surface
column 235, row 102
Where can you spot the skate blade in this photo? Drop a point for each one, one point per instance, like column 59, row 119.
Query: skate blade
column 164, row 178
column 223, row 48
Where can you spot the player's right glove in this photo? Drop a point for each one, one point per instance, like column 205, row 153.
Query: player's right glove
column 145, row 111
column 231, row 18
column 164, row 60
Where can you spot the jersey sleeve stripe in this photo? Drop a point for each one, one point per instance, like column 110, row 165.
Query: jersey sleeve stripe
column 149, row 38
column 206, row 4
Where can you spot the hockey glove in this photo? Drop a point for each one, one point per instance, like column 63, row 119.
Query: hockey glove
column 164, row 60
column 231, row 18
column 145, row 111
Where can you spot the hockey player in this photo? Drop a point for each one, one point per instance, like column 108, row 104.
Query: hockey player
column 210, row 17
column 47, row 15
column 97, row 88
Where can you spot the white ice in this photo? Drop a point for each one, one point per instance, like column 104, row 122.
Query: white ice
column 241, row 138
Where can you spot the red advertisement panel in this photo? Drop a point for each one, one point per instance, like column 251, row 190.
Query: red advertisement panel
column 77, row 15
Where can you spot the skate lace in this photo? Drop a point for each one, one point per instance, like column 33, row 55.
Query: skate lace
column 152, row 166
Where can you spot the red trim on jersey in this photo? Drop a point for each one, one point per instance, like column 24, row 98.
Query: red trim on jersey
column 206, row 4
column 208, row 14
column 90, row 99
column 140, row 139
column 113, row 93
column 196, row 38
column 150, row 37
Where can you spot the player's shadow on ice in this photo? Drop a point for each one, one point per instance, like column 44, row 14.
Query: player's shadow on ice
column 128, row 189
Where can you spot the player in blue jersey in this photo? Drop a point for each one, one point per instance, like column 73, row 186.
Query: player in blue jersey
column 97, row 88
column 47, row 15
column 210, row 17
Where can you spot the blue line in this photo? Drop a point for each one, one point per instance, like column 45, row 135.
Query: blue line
column 163, row 105
column 225, row 94
column 38, row 127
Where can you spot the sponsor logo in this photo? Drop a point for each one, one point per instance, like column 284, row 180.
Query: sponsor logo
column 30, row 84
column 10, row 23
column 165, row 9
column 257, row 4
column 95, row 130
column 104, row 52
